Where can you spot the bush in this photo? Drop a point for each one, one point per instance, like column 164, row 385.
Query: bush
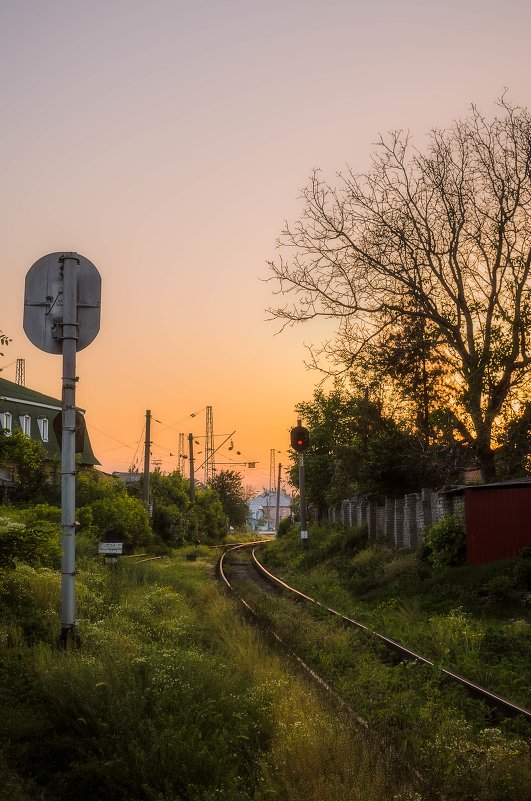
column 31, row 536
column 444, row 543
column 122, row 517
column 105, row 508
column 522, row 574
column 284, row 527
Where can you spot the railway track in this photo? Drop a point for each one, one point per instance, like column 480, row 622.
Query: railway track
column 242, row 571
column 253, row 570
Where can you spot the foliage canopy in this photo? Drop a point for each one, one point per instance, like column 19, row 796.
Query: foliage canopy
column 432, row 248
column 229, row 486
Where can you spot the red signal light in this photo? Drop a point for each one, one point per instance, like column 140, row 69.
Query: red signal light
column 300, row 438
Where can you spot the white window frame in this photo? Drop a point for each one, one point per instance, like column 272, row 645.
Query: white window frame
column 25, row 424
column 44, row 428
column 6, row 421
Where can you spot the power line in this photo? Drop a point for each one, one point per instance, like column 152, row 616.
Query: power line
column 92, row 426
column 133, row 463
column 172, row 426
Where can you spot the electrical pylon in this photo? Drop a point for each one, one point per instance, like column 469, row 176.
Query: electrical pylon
column 21, row 372
column 181, row 455
column 272, row 471
column 210, row 467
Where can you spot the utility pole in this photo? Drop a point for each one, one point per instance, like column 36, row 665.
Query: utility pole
column 21, row 372
column 147, row 446
column 192, row 476
column 277, row 516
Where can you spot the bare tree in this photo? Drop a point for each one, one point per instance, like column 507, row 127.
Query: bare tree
column 442, row 236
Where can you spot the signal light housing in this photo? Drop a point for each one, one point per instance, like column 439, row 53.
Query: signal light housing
column 300, row 438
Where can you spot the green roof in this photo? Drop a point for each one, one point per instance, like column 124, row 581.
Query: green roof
column 20, row 401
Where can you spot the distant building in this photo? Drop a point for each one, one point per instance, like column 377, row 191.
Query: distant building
column 131, row 478
column 263, row 509
column 33, row 413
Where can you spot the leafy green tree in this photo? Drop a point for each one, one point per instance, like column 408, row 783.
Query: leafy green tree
column 442, row 237
column 233, row 496
column 105, row 508
column 176, row 520
column 355, row 449
column 29, row 458
column 212, row 522
column 408, row 355
column 513, row 455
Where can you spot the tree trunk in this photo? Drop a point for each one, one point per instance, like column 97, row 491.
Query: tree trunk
column 485, row 456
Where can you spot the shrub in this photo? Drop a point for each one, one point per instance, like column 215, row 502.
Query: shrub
column 284, row 526
column 31, row 536
column 124, row 517
column 104, row 507
column 444, row 543
column 522, row 574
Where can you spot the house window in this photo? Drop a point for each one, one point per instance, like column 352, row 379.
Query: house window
column 25, row 424
column 6, row 422
column 42, row 422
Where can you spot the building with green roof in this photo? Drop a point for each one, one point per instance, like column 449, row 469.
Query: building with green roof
column 34, row 414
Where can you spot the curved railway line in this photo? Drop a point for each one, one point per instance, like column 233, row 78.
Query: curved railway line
column 254, row 570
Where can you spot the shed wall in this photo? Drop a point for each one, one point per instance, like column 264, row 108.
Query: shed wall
column 498, row 523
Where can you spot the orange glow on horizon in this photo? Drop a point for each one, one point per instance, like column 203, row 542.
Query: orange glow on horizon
column 168, row 144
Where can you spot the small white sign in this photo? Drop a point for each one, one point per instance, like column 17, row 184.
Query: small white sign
column 304, row 535
column 111, row 547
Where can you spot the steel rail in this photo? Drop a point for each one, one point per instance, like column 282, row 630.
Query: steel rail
column 311, row 672
column 492, row 699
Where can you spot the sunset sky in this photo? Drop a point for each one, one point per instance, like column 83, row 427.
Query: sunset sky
column 168, row 141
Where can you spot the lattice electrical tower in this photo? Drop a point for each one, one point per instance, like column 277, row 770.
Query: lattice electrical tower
column 21, row 372
column 181, row 455
column 272, row 476
column 210, row 467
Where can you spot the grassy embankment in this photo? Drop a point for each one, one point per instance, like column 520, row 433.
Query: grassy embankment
column 171, row 697
column 474, row 620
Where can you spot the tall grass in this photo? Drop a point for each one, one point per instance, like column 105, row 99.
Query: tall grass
column 436, row 726
column 172, row 696
column 461, row 617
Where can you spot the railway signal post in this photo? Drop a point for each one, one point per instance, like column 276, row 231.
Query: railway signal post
column 300, row 440
column 62, row 315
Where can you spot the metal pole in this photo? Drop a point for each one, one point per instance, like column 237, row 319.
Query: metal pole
column 147, row 447
column 277, row 515
column 192, row 475
column 68, row 447
column 302, row 495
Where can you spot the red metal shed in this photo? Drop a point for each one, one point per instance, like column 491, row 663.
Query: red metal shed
column 497, row 520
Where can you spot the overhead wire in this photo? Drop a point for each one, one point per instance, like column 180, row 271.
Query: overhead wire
column 172, row 426
column 134, row 462
column 92, row 426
